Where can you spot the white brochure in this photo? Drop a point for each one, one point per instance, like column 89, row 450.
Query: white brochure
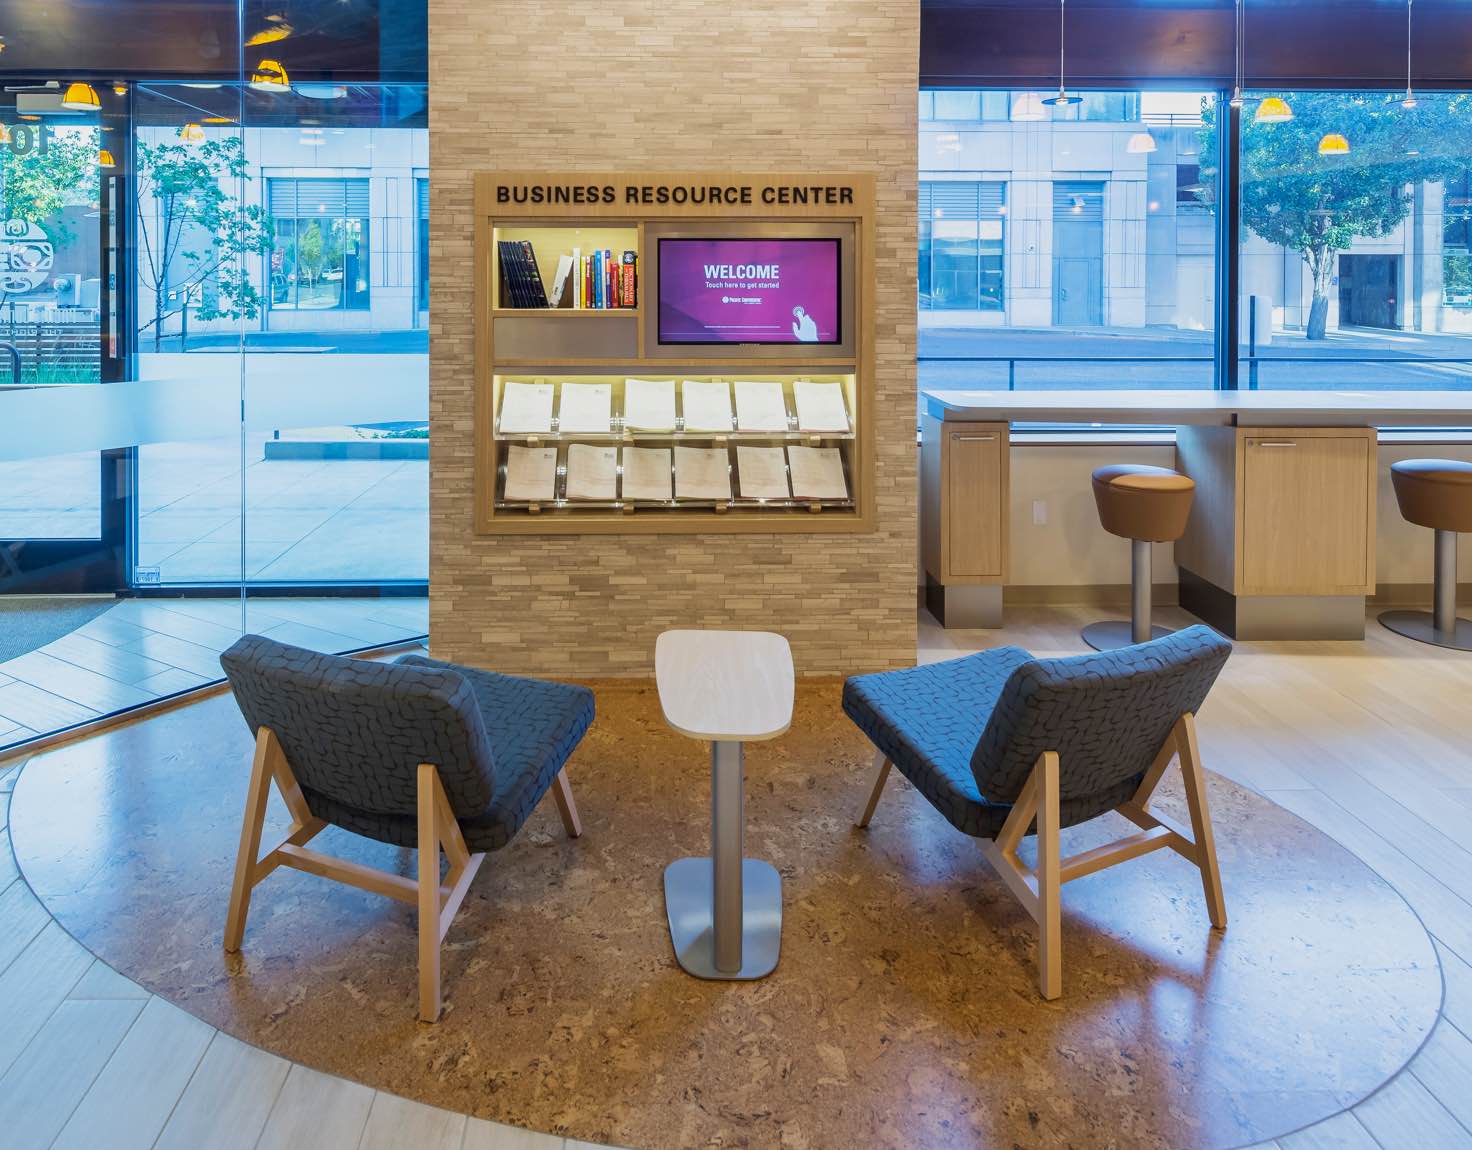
column 526, row 409
column 820, row 406
column 762, row 472
column 760, row 407
column 585, row 407
column 531, row 474
column 647, row 474
column 702, row 473
column 817, row 473
column 649, row 405
column 707, row 405
column 592, row 472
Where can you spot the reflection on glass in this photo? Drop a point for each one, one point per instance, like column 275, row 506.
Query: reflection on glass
column 1068, row 246
column 1355, row 262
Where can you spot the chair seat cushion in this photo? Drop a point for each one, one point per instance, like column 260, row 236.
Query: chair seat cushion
column 926, row 720
column 533, row 727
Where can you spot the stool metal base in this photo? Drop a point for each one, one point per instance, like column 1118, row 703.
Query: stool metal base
column 1114, row 634
column 1421, row 626
column 688, row 891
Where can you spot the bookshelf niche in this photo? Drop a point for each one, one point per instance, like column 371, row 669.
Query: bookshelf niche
column 732, row 394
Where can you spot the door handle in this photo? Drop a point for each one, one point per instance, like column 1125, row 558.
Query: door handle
column 972, row 438
column 1276, row 443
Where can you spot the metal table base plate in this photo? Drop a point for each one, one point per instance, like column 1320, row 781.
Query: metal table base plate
column 689, row 902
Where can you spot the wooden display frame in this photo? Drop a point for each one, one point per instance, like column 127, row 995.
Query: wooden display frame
column 760, row 201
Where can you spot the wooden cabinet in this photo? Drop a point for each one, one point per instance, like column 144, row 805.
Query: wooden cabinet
column 964, row 500
column 1286, row 511
column 1307, row 502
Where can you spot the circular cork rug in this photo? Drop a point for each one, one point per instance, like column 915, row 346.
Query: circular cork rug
column 903, row 1011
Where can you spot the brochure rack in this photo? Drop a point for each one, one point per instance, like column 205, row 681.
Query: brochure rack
column 566, row 366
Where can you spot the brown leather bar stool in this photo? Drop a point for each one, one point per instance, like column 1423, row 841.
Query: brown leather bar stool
column 1435, row 493
column 1145, row 505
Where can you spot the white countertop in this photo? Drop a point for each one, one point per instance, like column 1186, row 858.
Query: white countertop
column 1243, row 408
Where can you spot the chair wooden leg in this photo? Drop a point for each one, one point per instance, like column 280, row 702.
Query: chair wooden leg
column 881, row 776
column 566, row 806
column 1049, row 879
column 1201, row 830
column 429, row 898
column 261, row 773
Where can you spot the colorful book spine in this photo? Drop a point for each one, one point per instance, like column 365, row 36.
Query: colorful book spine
column 629, row 291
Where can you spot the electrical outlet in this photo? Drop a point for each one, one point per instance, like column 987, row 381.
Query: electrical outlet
column 1040, row 512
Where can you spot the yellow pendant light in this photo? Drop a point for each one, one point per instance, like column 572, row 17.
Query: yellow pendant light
column 1334, row 144
column 1140, row 143
column 270, row 76
column 276, row 29
column 120, row 89
column 1273, row 110
column 191, row 133
column 105, row 160
column 81, row 98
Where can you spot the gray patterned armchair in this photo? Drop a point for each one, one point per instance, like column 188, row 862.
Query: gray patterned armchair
column 417, row 753
column 1000, row 741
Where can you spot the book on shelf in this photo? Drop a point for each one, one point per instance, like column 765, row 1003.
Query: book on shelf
column 604, row 280
column 559, row 281
column 521, row 279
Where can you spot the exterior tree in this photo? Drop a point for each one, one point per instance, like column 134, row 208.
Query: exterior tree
column 192, row 231
column 57, row 169
column 1317, row 205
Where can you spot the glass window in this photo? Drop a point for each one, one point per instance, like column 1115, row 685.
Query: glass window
column 957, row 105
column 421, row 197
column 961, row 227
column 320, row 257
column 1084, row 259
column 1354, row 248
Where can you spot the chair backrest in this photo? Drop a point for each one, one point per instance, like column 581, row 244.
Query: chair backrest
column 1106, row 714
column 356, row 731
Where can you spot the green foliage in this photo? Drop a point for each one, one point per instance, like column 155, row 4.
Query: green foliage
column 37, row 185
column 1317, row 205
column 310, row 253
column 1456, row 265
column 194, row 233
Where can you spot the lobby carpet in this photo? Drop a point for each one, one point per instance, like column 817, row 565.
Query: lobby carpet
column 903, row 1011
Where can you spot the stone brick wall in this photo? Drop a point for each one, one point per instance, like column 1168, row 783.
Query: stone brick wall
column 760, row 85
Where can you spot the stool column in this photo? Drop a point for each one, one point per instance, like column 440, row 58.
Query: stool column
column 1140, row 590
column 1444, row 609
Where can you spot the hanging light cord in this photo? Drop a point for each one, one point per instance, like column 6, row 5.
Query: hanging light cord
column 1241, row 55
column 1410, row 99
column 1061, row 88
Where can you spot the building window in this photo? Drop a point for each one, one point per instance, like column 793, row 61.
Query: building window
column 961, row 245
column 1188, row 184
column 1354, row 259
column 421, row 200
column 1456, row 258
column 319, row 261
column 1069, row 247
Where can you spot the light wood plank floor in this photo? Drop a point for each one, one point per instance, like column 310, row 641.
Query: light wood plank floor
column 143, row 650
column 89, row 1059
column 1372, row 743
column 1368, row 741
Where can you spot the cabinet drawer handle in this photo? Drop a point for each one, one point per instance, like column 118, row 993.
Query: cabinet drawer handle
column 1277, row 443
column 972, row 438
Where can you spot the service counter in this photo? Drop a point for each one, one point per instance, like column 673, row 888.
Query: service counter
column 1281, row 543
